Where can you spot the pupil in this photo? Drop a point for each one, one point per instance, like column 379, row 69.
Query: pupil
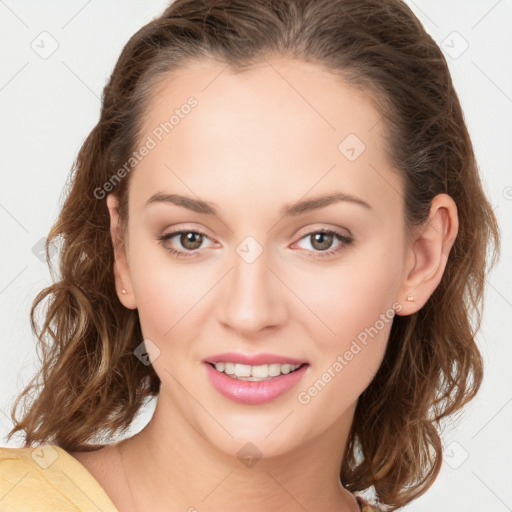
column 188, row 238
column 322, row 237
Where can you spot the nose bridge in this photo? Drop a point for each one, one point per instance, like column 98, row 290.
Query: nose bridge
column 251, row 299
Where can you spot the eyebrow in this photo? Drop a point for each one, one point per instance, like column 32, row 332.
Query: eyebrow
column 290, row 210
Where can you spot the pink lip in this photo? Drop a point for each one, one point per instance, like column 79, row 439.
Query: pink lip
column 252, row 392
column 252, row 360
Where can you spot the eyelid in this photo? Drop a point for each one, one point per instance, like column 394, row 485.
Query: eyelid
column 300, row 234
column 323, row 227
column 343, row 239
column 180, row 230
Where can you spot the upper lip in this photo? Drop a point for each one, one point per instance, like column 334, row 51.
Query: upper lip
column 252, row 359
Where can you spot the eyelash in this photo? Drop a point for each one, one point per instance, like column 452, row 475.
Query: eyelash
column 346, row 240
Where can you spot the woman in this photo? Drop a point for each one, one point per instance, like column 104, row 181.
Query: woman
column 278, row 228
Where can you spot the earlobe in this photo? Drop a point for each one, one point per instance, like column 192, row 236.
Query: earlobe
column 428, row 254
column 121, row 267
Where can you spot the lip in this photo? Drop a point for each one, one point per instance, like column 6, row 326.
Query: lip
column 253, row 392
column 252, row 359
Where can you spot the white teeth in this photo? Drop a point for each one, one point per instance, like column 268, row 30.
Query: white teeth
column 229, row 368
column 260, row 371
column 242, row 370
column 255, row 373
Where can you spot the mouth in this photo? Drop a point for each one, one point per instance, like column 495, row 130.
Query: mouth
column 257, row 373
column 254, row 367
column 253, row 385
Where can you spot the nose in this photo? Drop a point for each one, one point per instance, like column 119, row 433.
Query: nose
column 252, row 298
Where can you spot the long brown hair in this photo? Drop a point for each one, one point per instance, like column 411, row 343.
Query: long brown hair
column 91, row 385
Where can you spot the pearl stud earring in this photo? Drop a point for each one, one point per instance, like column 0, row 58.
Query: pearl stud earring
column 410, row 298
column 123, row 291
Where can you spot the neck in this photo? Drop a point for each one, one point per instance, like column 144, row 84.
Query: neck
column 169, row 467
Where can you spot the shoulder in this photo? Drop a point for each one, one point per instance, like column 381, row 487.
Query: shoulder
column 46, row 478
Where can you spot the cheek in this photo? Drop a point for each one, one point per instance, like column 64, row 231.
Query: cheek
column 335, row 303
column 342, row 300
column 167, row 292
column 353, row 315
column 348, row 354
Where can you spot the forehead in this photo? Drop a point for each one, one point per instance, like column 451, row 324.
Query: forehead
column 280, row 123
column 274, row 91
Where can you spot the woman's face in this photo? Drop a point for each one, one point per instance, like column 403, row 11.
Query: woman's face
column 260, row 278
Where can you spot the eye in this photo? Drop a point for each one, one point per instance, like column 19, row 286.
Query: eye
column 190, row 240
column 322, row 240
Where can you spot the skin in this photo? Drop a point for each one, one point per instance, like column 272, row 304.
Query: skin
column 255, row 142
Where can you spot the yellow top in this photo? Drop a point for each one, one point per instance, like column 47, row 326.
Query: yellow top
column 48, row 479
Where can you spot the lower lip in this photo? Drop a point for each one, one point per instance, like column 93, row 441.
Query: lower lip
column 252, row 392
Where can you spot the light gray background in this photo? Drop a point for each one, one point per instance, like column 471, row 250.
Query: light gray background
column 49, row 103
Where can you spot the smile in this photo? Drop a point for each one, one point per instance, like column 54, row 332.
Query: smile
column 254, row 385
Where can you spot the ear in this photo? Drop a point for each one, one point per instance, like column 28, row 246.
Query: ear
column 428, row 253
column 121, row 265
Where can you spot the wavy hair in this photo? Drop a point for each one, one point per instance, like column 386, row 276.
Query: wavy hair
column 90, row 384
